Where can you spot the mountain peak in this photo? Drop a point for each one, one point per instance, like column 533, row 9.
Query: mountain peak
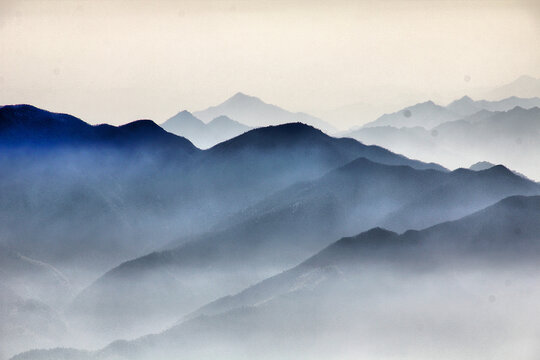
column 184, row 113
column 481, row 165
column 464, row 99
column 241, row 98
column 271, row 136
column 429, row 102
column 222, row 119
column 499, row 169
column 142, row 125
column 183, row 116
column 183, row 124
column 254, row 112
column 526, row 78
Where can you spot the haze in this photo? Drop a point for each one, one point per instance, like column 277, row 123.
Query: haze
column 117, row 61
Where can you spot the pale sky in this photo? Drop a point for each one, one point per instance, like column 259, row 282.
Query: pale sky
column 118, row 61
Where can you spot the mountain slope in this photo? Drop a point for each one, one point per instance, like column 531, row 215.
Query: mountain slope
column 25, row 125
column 74, row 192
column 243, row 170
column 348, row 299
column 509, row 228
column 290, row 224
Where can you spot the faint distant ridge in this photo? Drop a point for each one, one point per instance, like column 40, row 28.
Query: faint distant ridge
column 426, row 114
column 481, row 165
column 254, row 112
column 204, row 135
column 467, row 106
column 501, row 131
column 525, row 86
column 28, row 126
column 429, row 115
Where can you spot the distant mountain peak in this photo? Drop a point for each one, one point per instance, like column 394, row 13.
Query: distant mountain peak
column 525, row 86
column 526, row 78
column 481, row 165
column 241, row 98
column 222, row 119
column 464, row 99
column 240, row 94
column 254, row 112
column 184, row 113
column 183, row 116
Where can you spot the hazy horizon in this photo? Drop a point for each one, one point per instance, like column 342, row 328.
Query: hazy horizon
column 117, row 61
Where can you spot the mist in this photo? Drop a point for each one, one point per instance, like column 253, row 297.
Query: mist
column 269, row 180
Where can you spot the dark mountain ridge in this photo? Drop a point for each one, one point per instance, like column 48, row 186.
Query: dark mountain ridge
column 26, row 125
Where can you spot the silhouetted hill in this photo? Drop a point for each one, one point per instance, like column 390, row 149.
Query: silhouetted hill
column 243, row 170
column 25, row 125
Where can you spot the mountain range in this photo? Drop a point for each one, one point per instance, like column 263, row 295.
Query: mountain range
column 333, row 294
column 127, row 190
column 429, row 115
column 497, row 136
column 254, row 112
column 111, row 232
